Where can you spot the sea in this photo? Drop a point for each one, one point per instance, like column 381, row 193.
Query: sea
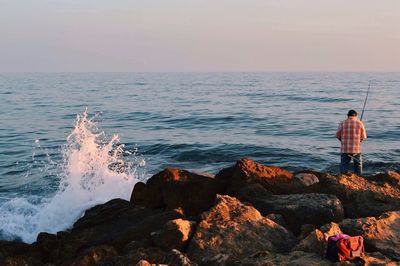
column 69, row 141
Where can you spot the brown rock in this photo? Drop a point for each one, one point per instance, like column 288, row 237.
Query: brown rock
column 378, row 259
column 175, row 234
column 17, row 253
column 380, row 234
column 12, row 248
column 361, row 197
column 173, row 188
column 153, row 256
column 316, row 241
column 143, row 263
column 298, row 209
column 298, row 258
column 246, row 172
column 115, row 223
column 95, row 256
column 391, row 177
column 232, row 230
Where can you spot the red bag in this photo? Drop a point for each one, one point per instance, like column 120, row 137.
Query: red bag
column 350, row 248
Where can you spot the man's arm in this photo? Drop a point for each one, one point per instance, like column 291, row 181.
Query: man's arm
column 363, row 134
column 339, row 132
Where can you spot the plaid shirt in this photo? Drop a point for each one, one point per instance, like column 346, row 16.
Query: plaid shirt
column 351, row 132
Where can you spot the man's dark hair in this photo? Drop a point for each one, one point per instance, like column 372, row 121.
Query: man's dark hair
column 352, row 113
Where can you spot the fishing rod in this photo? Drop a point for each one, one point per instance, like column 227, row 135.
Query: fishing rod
column 366, row 98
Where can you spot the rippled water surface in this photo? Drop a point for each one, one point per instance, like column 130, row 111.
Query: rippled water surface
column 197, row 121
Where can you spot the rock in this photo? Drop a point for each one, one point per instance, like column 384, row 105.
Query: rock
column 247, row 172
column 380, row 234
column 153, row 256
column 277, row 218
column 391, row 177
column 21, row 260
column 14, row 253
column 49, row 246
column 299, row 209
column 143, row 263
column 361, row 197
column 175, row 257
column 298, row 258
column 116, row 223
column 173, row 188
column 317, row 240
column 307, row 179
column 175, row 234
column 95, row 256
column 377, row 259
column 305, row 230
column 12, row 248
column 232, row 230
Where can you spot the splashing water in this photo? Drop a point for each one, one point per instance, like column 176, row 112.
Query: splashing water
column 94, row 170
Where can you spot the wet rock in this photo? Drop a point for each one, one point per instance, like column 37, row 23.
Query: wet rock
column 380, row 234
column 246, row 172
column 115, row 223
column 175, row 234
column 173, row 188
column 317, row 240
column 95, row 256
column 12, row 248
column 232, row 230
column 298, row 209
column 14, row 253
column 361, row 197
column 49, row 246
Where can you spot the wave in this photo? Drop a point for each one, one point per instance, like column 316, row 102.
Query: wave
column 93, row 171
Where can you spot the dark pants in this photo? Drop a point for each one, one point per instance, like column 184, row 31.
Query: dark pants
column 345, row 159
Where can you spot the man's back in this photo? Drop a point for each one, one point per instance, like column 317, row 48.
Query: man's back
column 351, row 133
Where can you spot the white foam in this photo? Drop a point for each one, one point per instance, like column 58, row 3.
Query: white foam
column 86, row 179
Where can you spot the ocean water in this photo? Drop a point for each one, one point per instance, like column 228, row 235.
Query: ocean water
column 69, row 141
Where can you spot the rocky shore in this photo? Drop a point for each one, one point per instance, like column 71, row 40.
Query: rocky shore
column 247, row 214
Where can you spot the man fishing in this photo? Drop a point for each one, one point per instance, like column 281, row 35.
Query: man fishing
column 351, row 132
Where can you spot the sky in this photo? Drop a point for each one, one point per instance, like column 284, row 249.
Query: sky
column 194, row 35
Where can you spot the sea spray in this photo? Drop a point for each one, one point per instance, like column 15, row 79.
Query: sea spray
column 94, row 169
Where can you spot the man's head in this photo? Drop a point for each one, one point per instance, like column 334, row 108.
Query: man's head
column 352, row 113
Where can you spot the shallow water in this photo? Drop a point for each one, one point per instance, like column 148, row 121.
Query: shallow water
column 197, row 121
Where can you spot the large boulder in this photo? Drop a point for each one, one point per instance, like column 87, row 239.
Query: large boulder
column 116, row 223
column 232, row 230
column 361, row 197
column 299, row 209
column 173, row 188
column 174, row 234
column 380, row 234
column 247, row 172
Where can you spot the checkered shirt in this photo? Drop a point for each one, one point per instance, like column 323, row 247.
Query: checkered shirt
column 351, row 132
